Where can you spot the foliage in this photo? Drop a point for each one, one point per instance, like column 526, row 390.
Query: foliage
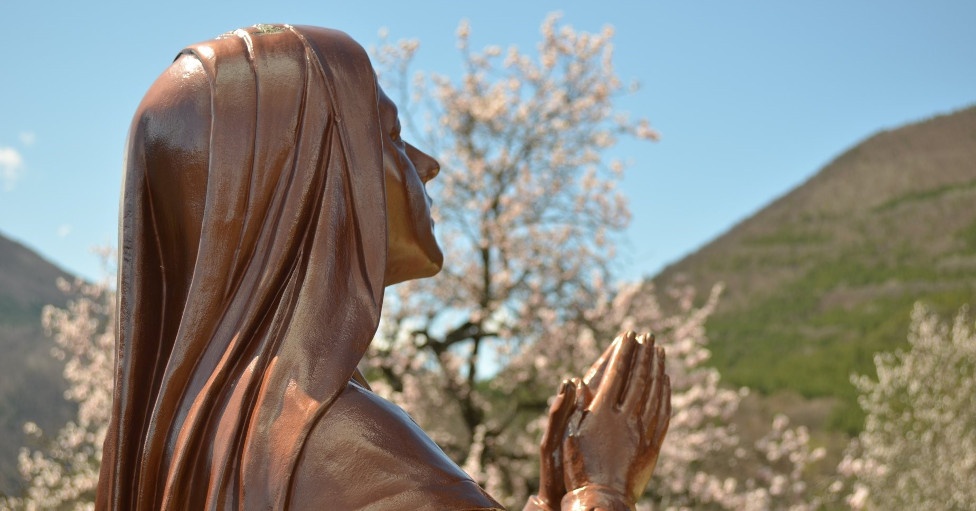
column 841, row 312
column 918, row 447
column 64, row 474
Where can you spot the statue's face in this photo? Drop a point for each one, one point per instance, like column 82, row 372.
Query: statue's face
column 412, row 250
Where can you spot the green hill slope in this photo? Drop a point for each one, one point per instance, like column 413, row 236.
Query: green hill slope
column 825, row 276
column 31, row 385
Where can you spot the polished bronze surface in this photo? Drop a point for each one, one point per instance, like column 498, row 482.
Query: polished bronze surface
column 605, row 431
column 267, row 200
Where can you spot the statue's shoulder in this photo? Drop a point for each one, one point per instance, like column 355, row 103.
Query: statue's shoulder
column 367, row 453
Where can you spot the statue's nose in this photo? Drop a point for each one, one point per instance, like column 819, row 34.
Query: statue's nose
column 427, row 167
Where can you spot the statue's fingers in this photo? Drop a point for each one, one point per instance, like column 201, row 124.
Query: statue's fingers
column 656, row 396
column 618, row 372
column 594, row 375
column 648, row 338
column 664, row 415
column 583, row 396
column 639, row 387
column 561, row 409
column 559, row 413
column 551, row 463
column 582, row 392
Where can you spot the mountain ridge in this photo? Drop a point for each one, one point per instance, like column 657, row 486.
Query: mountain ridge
column 826, row 274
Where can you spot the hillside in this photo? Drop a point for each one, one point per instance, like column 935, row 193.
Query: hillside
column 825, row 276
column 31, row 387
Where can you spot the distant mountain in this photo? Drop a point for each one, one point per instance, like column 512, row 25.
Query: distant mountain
column 31, row 382
column 825, row 276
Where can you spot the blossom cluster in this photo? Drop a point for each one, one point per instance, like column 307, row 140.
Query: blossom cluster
column 64, row 473
column 918, row 447
column 528, row 210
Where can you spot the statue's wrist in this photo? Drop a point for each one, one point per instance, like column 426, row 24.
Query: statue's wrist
column 596, row 497
column 537, row 503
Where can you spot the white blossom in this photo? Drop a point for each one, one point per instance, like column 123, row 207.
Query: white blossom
column 64, row 474
column 918, row 447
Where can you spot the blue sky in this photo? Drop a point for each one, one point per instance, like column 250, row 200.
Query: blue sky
column 751, row 98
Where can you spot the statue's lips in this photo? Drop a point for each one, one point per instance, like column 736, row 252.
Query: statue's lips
column 430, row 209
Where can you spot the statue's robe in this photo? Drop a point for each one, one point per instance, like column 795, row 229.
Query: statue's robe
column 252, row 257
column 381, row 449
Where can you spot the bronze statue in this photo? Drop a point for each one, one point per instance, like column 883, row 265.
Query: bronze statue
column 267, row 201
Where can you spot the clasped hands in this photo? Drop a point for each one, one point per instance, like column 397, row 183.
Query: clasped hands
column 605, row 431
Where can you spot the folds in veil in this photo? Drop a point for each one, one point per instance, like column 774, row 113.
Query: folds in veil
column 226, row 358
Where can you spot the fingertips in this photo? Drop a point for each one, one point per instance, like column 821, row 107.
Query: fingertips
column 594, row 375
column 559, row 413
column 581, row 392
column 565, row 397
column 620, row 369
column 566, row 388
column 646, row 338
column 640, row 384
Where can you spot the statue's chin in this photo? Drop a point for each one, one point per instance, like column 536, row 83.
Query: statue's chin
column 416, row 261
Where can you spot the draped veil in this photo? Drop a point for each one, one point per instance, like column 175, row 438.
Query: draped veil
column 242, row 318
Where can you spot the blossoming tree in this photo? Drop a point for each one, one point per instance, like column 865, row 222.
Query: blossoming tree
column 528, row 210
column 64, row 473
column 918, row 447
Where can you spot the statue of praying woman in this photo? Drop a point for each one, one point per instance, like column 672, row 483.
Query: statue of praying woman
column 267, row 201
